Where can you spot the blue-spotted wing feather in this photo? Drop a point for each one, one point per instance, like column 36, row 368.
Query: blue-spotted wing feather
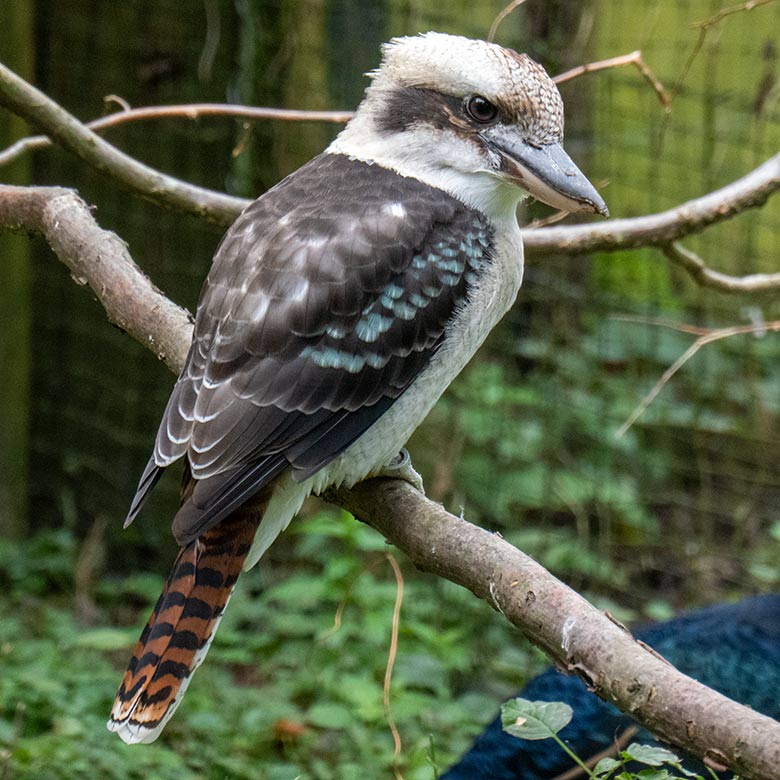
column 327, row 297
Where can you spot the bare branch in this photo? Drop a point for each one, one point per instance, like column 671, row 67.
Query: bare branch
column 562, row 623
column 634, row 58
column 734, row 9
column 706, row 338
column 660, row 322
column 706, row 277
column 751, row 191
column 501, row 16
column 100, row 258
column 185, row 111
column 653, row 230
column 25, row 100
column 704, row 28
column 568, row 629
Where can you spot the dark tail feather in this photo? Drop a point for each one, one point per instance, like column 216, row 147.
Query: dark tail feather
column 149, row 479
column 179, row 632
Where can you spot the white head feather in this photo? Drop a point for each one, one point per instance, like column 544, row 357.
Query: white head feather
column 438, row 153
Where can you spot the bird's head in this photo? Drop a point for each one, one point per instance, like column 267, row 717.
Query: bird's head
column 475, row 118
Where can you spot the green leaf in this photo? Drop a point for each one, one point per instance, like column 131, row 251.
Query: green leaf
column 534, row 719
column 654, row 774
column 330, row 716
column 106, row 638
column 652, row 756
column 606, row 765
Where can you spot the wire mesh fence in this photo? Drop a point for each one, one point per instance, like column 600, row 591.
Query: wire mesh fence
column 689, row 490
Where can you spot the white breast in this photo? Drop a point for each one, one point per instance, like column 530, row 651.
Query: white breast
column 492, row 296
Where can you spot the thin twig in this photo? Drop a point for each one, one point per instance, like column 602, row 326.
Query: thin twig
column 399, row 600
column 190, row 111
column 634, row 58
column 659, row 322
column 118, row 99
column 703, row 340
column 553, row 219
column 706, row 277
column 704, row 28
column 336, row 627
column 30, row 103
column 501, row 16
column 620, row 741
column 734, row 9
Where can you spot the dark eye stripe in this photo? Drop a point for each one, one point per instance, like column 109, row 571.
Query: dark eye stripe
column 406, row 107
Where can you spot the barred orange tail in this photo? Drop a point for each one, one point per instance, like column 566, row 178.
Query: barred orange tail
column 180, row 629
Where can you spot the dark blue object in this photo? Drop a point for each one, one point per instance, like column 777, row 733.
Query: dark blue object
column 733, row 648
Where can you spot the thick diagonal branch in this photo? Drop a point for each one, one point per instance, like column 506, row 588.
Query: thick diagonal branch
column 571, row 631
column 100, row 259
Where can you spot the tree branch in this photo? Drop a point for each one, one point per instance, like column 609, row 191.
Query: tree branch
column 100, row 258
column 661, row 229
column 573, row 633
column 706, row 277
column 705, row 336
column 185, row 111
column 634, row 58
column 705, row 27
column 751, row 191
column 23, row 99
column 577, row 636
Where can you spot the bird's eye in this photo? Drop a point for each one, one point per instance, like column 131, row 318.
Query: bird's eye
column 481, row 109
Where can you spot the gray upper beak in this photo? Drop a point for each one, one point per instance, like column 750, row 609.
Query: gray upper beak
column 547, row 173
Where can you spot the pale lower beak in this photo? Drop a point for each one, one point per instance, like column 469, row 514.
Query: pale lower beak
column 547, row 173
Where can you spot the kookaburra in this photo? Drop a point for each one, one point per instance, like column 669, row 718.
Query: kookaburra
column 339, row 307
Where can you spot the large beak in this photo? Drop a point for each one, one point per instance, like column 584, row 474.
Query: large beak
column 546, row 172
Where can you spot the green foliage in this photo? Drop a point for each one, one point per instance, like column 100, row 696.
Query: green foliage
column 292, row 685
column 693, row 481
column 535, row 720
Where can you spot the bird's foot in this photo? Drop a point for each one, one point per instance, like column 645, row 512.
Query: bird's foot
column 400, row 467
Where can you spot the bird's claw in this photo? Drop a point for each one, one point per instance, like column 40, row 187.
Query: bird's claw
column 400, row 467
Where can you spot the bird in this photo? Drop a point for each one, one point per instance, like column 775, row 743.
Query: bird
column 733, row 648
column 339, row 306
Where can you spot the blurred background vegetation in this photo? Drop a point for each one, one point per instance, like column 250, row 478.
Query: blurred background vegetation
column 680, row 511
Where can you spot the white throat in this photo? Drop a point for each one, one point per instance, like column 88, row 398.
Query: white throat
column 434, row 157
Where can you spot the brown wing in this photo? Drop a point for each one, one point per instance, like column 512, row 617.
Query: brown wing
column 326, row 298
